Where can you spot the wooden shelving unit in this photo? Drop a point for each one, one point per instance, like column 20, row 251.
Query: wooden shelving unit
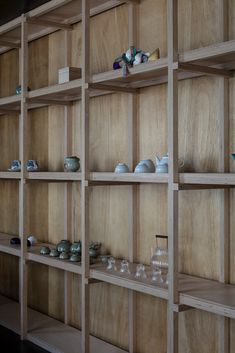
column 184, row 292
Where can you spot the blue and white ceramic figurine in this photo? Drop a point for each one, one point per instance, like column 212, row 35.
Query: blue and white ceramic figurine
column 121, row 168
column 32, row 165
column 15, row 166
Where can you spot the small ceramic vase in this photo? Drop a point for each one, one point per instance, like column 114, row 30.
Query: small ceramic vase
column 233, row 155
column 54, row 253
column 142, row 168
column 94, row 249
column 71, row 164
column 32, row 165
column 125, row 267
column 111, row 264
column 76, row 247
column 121, row 168
column 63, row 246
column 75, row 258
column 17, row 241
column 140, row 272
column 15, row 166
column 32, row 239
column 45, row 250
column 149, row 164
column 64, row 256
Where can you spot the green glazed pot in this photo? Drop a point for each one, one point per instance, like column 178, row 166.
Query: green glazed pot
column 64, row 256
column 76, row 247
column 75, row 258
column 71, row 164
column 45, row 250
column 93, row 253
column 54, row 253
column 63, row 246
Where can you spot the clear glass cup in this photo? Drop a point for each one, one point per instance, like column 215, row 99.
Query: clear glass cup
column 140, row 272
column 125, row 267
column 111, row 264
column 159, row 260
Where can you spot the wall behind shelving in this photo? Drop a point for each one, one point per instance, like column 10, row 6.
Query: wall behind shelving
column 199, row 146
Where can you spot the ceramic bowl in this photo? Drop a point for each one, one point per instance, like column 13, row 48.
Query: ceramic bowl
column 64, row 255
column 93, row 253
column 121, row 168
column 63, row 246
column 233, row 155
column 149, row 164
column 71, row 164
column 76, row 247
column 142, row 168
column 75, row 258
column 54, row 253
column 32, row 165
column 45, row 250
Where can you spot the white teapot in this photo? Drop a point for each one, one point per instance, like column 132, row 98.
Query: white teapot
column 162, row 164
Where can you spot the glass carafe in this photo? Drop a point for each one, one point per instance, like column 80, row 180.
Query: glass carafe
column 159, row 260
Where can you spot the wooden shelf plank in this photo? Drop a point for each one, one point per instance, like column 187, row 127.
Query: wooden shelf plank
column 56, row 176
column 68, row 91
column 129, row 177
column 211, row 296
column 49, row 333
column 208, row 178
column 66, row 265
column 10, row 175
column 99, row 272
column 10, row 102
column 6, row 247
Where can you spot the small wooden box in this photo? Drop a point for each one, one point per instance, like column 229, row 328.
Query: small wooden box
column 67, row 74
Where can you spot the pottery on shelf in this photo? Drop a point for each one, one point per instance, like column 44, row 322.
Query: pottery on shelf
column 76, row 247
column 45, row 250
column 64, row 256
column 32, row 165
column 94, row 249
column 32, row 239
column 149, row 164
column 233, row 155
column 71, row 164
column 63, row 246
column 104, row 258
column 162, row 164
column 18, row 90
column 121, row 168
column 141, row 168
column 15, row 166
column 54, row 253
column 17, row 241
column 75, row 257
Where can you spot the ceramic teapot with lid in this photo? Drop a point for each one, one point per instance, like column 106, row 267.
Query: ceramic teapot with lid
column 162, row 164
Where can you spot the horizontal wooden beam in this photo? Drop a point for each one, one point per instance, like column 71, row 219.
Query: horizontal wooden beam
column 205, row 69
column 5, row 43
column 179, row 308
column 103, row 87
column 47, row 23
column 48, row 101
column 183, row 187
column 6, row 111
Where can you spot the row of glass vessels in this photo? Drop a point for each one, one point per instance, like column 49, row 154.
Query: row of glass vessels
column 159, row 264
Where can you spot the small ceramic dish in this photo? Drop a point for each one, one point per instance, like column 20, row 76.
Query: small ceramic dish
column 45, row 250
column 75, row 258
column 64, row 255
column 54, row 253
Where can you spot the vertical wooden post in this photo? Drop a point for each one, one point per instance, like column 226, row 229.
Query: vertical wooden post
column 22, row 186
column 85, row 174
column 224, row 323
column 133, row 198
column 172, row 317
column 67, row 186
